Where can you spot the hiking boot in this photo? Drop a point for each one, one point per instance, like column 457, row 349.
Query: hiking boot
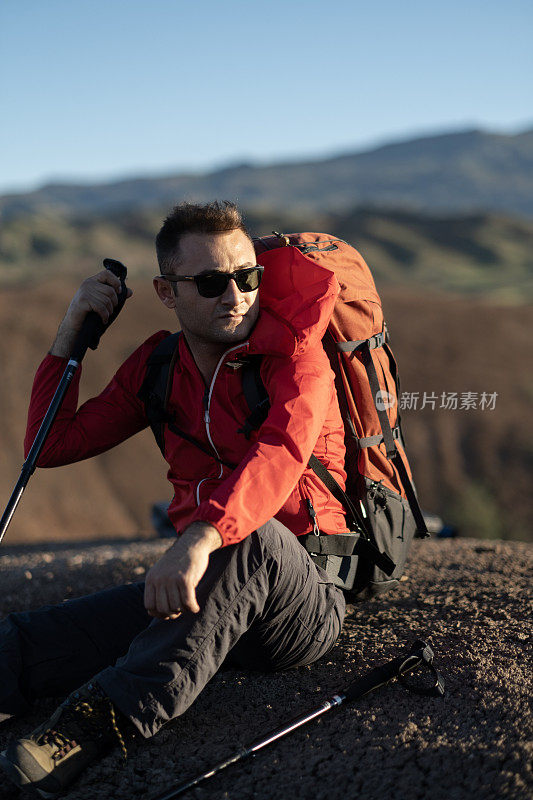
column 83, row 728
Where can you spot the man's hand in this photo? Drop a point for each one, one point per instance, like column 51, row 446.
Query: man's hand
column 171, row 583
column 98, row 293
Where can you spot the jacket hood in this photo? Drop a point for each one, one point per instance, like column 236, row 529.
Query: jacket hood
column 296, row 300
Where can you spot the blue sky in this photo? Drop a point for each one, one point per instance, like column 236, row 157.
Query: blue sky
column 91, row 90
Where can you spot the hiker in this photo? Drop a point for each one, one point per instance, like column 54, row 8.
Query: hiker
column 236, row 586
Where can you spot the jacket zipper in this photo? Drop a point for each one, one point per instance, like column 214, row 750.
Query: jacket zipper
column 207, row 419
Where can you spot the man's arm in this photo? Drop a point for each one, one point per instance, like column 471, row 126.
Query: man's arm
column 103, row 421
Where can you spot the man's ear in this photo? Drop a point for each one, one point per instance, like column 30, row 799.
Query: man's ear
column 165, row 292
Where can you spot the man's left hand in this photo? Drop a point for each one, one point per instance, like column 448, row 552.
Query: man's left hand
column 171, row 583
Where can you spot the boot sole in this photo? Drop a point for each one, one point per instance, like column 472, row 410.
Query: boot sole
column 21, row 780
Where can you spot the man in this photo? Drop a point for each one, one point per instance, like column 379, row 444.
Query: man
column 236, row 586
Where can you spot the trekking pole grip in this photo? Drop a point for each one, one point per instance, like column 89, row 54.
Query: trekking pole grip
column 93, row 327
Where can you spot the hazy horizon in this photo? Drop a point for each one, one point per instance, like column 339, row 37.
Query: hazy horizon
column 145, row 173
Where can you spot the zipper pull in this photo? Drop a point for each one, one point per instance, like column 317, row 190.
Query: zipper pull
column 206, row 407
column 312, row 514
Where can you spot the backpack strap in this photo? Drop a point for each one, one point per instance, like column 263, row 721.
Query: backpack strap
column 357, row 520
column 372, row 441
column 378, row 340
column 157, row 385
column 365, row 347
column 255, row 394
column 346, row 544
column 155, row 393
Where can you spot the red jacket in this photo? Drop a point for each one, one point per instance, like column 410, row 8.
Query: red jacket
column 271, row 479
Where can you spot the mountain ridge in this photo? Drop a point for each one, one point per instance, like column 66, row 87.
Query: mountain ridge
column 462, row 171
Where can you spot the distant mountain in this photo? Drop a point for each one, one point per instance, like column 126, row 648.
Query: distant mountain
column 467, row 171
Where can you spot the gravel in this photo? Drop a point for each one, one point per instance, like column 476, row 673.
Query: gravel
column 469, row 598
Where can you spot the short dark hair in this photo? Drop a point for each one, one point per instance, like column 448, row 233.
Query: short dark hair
column 215, row 217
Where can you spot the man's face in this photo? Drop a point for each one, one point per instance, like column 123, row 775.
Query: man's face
column 223, row 320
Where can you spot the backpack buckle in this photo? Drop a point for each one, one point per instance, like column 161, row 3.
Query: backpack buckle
column 312, row 514
column 285, row 241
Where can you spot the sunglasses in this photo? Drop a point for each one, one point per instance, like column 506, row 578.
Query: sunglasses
column 215, row 283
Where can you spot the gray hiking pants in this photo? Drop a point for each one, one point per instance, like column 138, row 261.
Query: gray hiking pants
column 264, row 606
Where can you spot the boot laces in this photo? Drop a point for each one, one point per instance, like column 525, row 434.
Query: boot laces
column 91, row 724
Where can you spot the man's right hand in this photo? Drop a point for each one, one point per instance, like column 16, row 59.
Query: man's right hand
column 98, row 293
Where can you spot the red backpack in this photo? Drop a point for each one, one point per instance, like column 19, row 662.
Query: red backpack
column 379, row 482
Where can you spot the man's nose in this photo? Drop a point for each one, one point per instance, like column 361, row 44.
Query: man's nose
column 233, row 295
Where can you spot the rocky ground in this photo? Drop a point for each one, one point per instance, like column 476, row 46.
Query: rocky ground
column 469, row 598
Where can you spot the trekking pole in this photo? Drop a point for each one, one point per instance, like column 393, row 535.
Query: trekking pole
column 89, row 336
column 420, row 654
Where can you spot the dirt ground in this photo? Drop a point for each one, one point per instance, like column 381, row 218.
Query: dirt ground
column 470, row 599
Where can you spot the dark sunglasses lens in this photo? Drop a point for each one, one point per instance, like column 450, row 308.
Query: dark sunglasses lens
column 248, row 280
column 216, row 283
column 213, row 285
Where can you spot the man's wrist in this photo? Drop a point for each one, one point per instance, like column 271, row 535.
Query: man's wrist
column 64, row 341
column 202, row 532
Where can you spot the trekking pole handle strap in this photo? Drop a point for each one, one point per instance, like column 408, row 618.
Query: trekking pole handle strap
column 420, row 654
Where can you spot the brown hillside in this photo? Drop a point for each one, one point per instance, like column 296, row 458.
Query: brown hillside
column 473, row 466
column 470, row 466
